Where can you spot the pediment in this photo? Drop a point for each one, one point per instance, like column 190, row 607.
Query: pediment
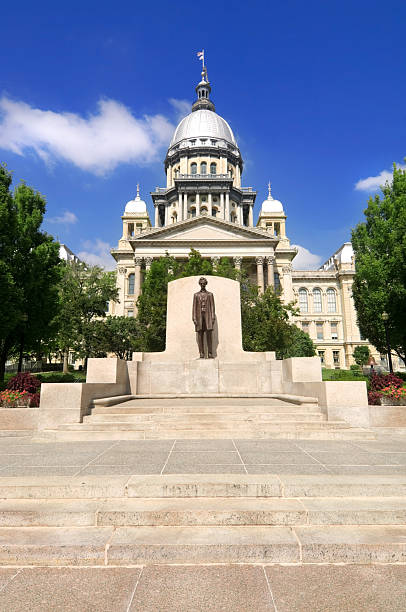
column 204, row 229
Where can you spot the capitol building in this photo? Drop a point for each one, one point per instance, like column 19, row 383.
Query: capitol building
column 205, row 206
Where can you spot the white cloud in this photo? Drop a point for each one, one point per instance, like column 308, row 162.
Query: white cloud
column 68, row 218
column 373, row 183
column 305, row 260
column 96, row 143
column 97, row 253
column 182, row 107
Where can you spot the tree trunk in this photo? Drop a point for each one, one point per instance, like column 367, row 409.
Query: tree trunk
column 65, row 361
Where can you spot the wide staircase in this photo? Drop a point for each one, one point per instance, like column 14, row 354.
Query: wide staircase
column 208, row 518
column 177, row 416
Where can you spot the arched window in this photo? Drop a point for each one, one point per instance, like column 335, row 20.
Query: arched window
column 193, row 168
column 331, row 300
column 131, row 279
column 213, row 168
column 317, row 307
column 203, row 168
column 303, row 301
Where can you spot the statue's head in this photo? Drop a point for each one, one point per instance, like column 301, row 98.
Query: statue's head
column 202, row 282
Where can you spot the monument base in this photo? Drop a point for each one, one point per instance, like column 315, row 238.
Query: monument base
column 209, row 376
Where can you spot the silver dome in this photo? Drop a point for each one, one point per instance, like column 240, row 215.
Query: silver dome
column 203, row 123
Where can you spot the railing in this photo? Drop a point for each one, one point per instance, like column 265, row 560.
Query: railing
column 203, row 176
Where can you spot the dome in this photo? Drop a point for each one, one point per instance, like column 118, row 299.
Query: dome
column 270, row 205
column 137, row 205
column 203, row 123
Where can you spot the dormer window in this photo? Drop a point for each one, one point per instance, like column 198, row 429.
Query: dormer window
column 203, row 140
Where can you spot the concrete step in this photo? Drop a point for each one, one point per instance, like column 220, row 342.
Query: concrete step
column 205, row 426
column 186, row 486
column 124, row 512
column 55, row 546
column 97, row 434
column 204, row 418
column 190, row 398
column 181, row 408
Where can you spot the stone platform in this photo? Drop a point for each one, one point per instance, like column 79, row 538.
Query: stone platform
column 191, row 524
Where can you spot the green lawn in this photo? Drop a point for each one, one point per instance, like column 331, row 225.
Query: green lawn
column 343, row 375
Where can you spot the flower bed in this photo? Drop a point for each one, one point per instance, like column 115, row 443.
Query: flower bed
column 13, row 399
column 393, row 396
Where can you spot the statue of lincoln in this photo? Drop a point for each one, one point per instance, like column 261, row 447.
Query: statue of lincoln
column 203, row 315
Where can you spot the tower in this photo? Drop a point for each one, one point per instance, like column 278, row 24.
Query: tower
column 203, row 169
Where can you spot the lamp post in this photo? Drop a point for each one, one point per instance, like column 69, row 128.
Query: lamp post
column 385, row 318
column 24, row 319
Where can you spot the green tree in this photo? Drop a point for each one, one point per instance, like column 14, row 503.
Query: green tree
column 83, row 295
column 29, row 270
column 300, row 344
column 380, row 263
column 117, row 335
column 361, row 355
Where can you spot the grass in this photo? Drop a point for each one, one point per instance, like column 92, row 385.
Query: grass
column 343, row 375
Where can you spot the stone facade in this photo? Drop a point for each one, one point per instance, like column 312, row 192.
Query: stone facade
column 205, row 206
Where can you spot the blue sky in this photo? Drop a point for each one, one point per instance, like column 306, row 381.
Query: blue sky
column 314, row 91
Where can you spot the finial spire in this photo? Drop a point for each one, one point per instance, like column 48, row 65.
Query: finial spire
column 269, row 190
column 203, row 89
column 138, row 190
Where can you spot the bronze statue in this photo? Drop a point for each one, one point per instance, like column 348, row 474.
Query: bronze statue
column 203, row 315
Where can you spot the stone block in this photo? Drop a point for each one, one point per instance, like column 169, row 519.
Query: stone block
column 108, row 370
column 202, row 376
column 301, row 369
column 387, row 416
column 19, row 418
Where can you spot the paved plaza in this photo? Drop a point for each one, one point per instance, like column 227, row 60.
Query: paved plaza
column 202, row 587
column 21, row 456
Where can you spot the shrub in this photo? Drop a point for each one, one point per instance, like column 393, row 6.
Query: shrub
column 56, row 377
column 374, row 398
column 26, row 382
column 401, row 375
column 380, row 381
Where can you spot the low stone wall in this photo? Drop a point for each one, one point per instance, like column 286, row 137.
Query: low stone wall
column 19, row 418
column 69, row 402
column 387, row 416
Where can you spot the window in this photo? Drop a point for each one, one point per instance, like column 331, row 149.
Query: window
column 331, row 301
column 305, row 327
column 130, row 313
column 277, row 281
column 193, row 168
column 214, row 212
column 316, row 300
column 321, row 355
column 213, row 168
column 193, row 211
column 213, row 142
column 107, row 307
column 203, row 168
column 303, row 303
column 319, row 331
column 131, row 281
column 334, row 331
column 336, row 358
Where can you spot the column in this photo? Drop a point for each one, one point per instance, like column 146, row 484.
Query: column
column 260, row 273
column 270, row 262
column 222, row 207
column 137, row 280
column 227, row 217
column 240, row 215
column 210, row 204
column 237, row 262
column 156, row 215
column 197, row 204
column 148, row 262
column 180, row 209
column 251, row 216
column 184, row 213
column 215, row 260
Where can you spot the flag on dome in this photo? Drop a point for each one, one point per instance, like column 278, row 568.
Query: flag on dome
column 200, row 55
